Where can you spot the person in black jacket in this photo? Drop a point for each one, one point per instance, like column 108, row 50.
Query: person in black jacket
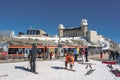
column 33, row 57
column 86, row 54
column 113, row 54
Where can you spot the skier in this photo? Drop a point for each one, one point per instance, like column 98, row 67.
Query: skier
column 69, row 60
column 33, row 56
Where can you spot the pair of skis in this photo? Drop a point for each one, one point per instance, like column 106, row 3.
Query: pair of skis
column 90, row 71
column 29, row 70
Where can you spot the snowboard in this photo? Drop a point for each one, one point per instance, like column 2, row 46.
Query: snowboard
column 90, row 71
column 70, row 70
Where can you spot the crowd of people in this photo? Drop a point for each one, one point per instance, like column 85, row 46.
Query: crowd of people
column 114, row 55
column 71, row 57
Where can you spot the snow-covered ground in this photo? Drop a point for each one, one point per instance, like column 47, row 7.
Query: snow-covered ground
column 50, row 70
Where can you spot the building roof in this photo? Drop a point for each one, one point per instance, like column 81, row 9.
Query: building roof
column 61, row 26
column 7, row 33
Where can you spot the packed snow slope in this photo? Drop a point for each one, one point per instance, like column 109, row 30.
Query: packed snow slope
column 51, row 70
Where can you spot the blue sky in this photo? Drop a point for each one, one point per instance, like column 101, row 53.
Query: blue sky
column 102, row 15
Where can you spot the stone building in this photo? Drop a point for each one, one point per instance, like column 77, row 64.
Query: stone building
column 74, row 32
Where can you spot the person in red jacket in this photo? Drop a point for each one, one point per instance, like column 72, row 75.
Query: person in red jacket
column 51, row 54
column 69, row 59
column 4, row 55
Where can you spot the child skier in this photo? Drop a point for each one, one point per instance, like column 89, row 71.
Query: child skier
column 69, row 59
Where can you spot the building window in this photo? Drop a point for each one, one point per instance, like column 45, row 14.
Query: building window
column 37, row 32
